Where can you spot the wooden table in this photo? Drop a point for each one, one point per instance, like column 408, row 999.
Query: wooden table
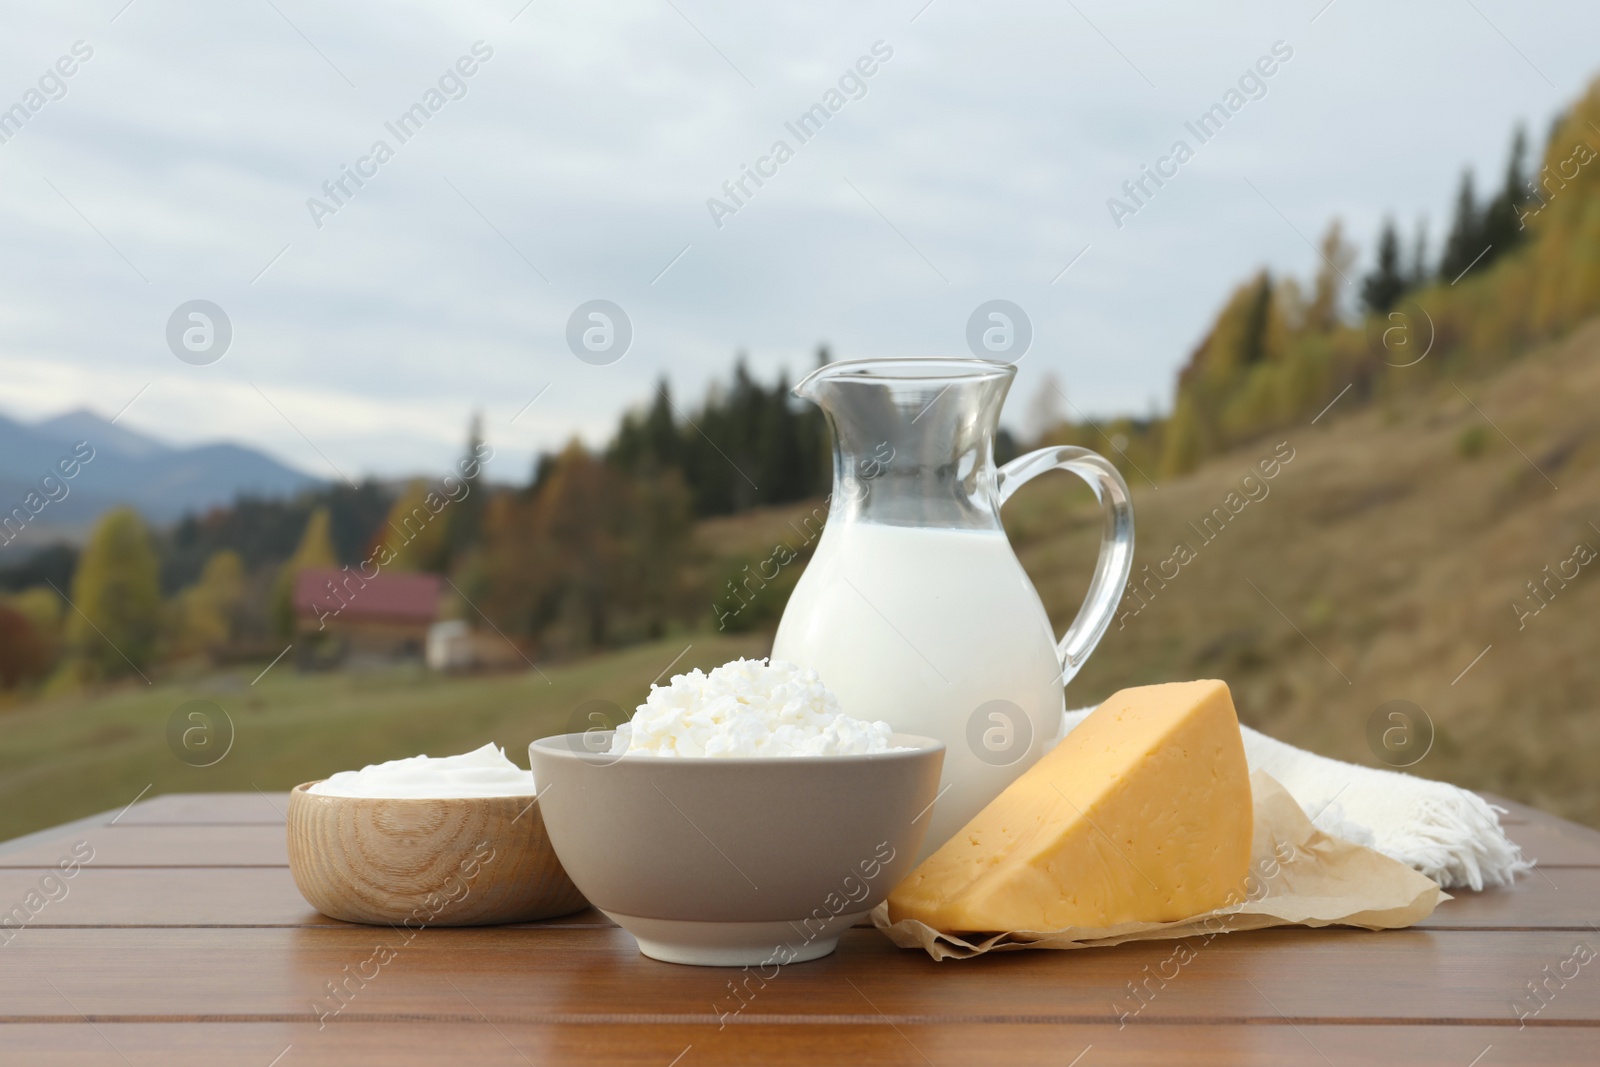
column 184, row 942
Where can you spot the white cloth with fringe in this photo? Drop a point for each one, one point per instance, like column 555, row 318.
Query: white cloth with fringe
column 1447, row 833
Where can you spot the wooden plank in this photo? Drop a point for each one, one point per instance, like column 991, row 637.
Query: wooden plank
column 201, row 808
column 254, row 806
column 164, row 896
column 1557, row 843
column 270, row 806
column 126, row 845
column 400, row 1044
column 1560, row 898
column 579, row 992
column 1552, row 842
column 181, row 897
column 158, row 832
column 28, row 842
column 1554, row 898
column 563, row 975
column 1515, row 812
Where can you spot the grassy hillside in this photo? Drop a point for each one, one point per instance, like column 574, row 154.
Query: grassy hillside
column 1396, row 541
column 68, row 758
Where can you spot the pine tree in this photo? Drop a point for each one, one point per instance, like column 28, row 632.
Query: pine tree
column 1418, row 275
column 744, row 432
column 1502, row 229
column 746, row 406
column 1382, row 288
column 626, row 452
column 817, row 438
column 784, row 475
column 1253, row 345
column 1516, row 188
column 662, row 441
column 465, row 518
column 117, row 594
column 1465, row 240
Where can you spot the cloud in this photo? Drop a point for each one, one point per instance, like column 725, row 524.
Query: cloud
column 586, row 148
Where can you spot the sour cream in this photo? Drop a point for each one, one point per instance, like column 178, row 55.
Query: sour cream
column 483, row 772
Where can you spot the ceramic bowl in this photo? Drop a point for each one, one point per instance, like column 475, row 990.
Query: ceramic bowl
column 734, row 862
column 466, row 861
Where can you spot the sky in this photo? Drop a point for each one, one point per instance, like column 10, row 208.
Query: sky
column 584, row 157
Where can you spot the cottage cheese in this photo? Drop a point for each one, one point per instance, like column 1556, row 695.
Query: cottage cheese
column 483, row 772
column 748, row 707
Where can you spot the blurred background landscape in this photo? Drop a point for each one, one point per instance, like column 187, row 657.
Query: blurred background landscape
column 400, row 509
column 1430, row 538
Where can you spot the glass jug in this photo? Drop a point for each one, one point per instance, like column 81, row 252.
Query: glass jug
column 914, row 609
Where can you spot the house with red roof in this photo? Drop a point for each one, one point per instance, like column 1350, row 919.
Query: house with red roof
column 341, row 614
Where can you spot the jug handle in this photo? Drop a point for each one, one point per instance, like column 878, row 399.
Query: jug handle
column 1116, row 541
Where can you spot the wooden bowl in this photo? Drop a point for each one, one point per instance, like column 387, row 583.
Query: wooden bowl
column 471, row 861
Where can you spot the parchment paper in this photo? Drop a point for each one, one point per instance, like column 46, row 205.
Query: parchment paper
column 1299, row 876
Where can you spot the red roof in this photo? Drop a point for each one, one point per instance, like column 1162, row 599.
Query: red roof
column 394, row 597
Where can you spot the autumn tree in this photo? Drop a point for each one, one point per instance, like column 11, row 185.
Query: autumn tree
column 117, row 595
column 315, row 550
column 207, row 611
column 1336, row 259
column 25, row 652
column 1184, row 445
column 415, row 530
column 592, row 555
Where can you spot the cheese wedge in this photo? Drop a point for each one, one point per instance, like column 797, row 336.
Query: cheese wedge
column 1141, row 814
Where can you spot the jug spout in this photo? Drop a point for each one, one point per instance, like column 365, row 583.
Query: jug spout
column 913, row 438
column 809, row 387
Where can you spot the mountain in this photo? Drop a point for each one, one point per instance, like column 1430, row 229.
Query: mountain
column 162, row 481
column 82, row 425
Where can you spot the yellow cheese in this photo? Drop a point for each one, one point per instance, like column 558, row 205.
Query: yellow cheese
column 1142, row 813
